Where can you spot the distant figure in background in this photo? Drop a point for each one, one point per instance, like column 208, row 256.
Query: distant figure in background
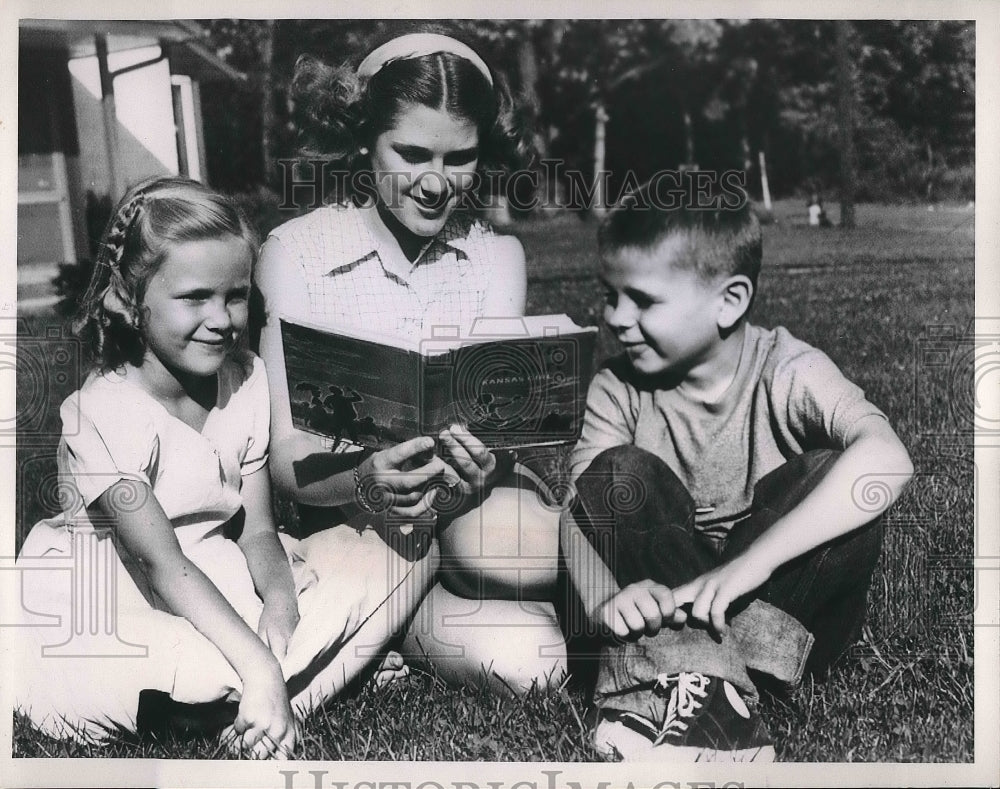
column 817, row 214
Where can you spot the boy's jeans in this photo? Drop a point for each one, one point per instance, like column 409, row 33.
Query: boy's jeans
column 638, row 515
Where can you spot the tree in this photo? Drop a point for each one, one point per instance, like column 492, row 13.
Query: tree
column 268, row 113
column 256, row 129
column 712, row 91
column 913, row 103
column 918, row 81
column 846, row 88
column 646, row 76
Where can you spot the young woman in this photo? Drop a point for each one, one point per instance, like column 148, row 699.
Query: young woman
column 410, row 135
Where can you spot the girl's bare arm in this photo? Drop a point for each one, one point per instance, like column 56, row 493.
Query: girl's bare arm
column 146, row 532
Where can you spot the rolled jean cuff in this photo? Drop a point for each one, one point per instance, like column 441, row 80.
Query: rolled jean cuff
column 760, row 637
column 772, row 641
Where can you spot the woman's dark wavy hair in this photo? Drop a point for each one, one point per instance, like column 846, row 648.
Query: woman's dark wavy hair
column 153, row 216
column 338, row 113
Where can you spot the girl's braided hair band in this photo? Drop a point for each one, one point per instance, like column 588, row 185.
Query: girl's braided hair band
column 114, row 245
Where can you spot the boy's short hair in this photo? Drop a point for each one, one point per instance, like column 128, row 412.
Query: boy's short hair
column 724, row 239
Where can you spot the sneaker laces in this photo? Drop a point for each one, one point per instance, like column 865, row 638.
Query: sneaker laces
column 685, row 689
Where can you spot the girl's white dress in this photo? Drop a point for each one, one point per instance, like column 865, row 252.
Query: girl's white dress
column 94, row 634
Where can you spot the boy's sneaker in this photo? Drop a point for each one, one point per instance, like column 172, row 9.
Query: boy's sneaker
column 706, row 720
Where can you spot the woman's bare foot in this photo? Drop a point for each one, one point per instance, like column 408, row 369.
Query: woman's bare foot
column 392, row 669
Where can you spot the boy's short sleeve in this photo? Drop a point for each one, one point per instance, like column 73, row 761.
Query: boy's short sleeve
column 259, row 417
column 609, row 421
column 106, row 440
column 822, row 405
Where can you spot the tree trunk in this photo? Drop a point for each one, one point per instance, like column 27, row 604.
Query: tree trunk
column 929, row 191
column 550, row 197
column 528, row 65
column 845, row 105
column 765, row 190
column 600, row 208
column 268, row 115
column 688, row 139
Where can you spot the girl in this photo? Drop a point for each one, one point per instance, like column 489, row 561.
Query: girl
column 164, row 454
column 412, row 136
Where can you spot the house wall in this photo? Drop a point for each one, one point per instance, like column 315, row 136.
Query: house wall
column 63, row 150
column 144, row 111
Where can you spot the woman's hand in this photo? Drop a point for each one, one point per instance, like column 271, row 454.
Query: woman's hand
column 268, row 564
column 278, row 621
column 265, row 726
column 474, row 469
column 397, row 480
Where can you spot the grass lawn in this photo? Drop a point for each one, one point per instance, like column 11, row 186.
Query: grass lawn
column 875, row 298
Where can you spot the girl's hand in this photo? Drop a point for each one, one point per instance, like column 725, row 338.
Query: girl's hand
column 265, row 715
column 278, row 621
column 474, row 468
column 395, row 480
column 265, row 726
column 642, row 608
column 711, row 593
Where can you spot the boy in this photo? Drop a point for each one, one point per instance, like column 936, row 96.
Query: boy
column 717, row 525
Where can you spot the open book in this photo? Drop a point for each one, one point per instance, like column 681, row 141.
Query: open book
column 514, row 382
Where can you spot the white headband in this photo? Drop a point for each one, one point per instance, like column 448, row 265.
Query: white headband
column 417, row 45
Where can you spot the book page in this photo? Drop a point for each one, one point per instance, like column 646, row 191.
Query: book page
column 447, row 338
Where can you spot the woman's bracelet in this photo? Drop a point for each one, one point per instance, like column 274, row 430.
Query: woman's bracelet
column 359, row 492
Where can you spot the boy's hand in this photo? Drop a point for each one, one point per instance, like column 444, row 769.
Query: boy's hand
column 278, row 621
column 641, row 608
column 711, row 593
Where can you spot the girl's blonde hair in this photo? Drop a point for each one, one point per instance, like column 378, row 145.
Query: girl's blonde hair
column 153, row 216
